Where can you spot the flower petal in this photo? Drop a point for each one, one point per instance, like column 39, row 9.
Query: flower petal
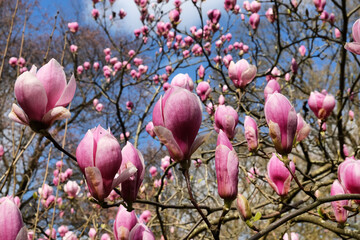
column 53, row 78
column 56, row 114
column 18, row 115
column 68, row 93
column 95, row 182
column 31, row 96
column 166, row 137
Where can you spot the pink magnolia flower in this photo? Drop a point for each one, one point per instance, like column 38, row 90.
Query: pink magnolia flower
column 251, row 133
column 354, row 46
column 141, row 231
column 270, row 15
column 337, row 206
column 150, row 129
column 13, row 61
column 351, row 115
column 99, row 107
column 282, row 121
column 51, row 233
column 42, row 96
column 86, row 65
column 271, row 87
column 226, row 119
column 124, row 222
column 302, row 129
column 92, row 233
column 246, row 5
column 254, row 20
column 227, row 59
column 302, row 50
column 72, row 189
column 294, row 236
column 287, row 77
column 229, row 4
column 107, row 51
column 214, row 15
column 70, row 236
column 252, row 173
column 322, row 104
column 96, row 66
column 348, row 172
column 105, row 236
column 241, row 73
column 12, row 225
column 80, row 69
column 153, row 171
column 99, row 158
column 176, row 130
column 1, row 150
column 165, row 163
column 21, row 62
column 337, row 33
column 62, row 230
column 129, row 105
column 279, row 176
column 294, row 66
column 221, row 100
column 227, row 168
column 145, row 216
column 174, row 16
column 203, row 90
column 73, row 27
column 184, row 81
column 273, row 75
column 131, row 157
column 95, row 13
column 319, row 4
column 255, row 6
column 122, row 13
column 45, row 191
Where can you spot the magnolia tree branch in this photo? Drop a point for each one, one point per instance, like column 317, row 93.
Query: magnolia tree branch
column 303, row 210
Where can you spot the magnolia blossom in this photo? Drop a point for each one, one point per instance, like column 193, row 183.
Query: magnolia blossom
column 354, row 46
column 42, row 96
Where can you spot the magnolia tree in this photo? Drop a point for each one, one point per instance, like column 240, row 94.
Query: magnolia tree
column 244, row 125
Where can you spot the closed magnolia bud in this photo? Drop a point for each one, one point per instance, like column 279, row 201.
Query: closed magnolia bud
column 201, row 70
column 11, row 223
column 322, row 104
column 72, row 189
column 243, row 207
column 279, row 176
column 174, row 128
column 203, row 90
column 226, row 166
column 73, row 27
column 302, row 50
column 254, row 20
column 226, row 119
column 150, row 129
column 241, row 73
column 319, row 4
column 251, row 133
column 339, row 211
column 130, row 187
column 282, row 121
column 99, row 159
column 123, row 223
column 302, row 129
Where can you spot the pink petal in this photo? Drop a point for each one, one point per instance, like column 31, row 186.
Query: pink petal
column 95, row 182
column 166, row 137
column 125, row 174
column 53, row 78
column 353, row 47
column 68, row 93
column 31, row 96
column 18, row 115
column 54, row 114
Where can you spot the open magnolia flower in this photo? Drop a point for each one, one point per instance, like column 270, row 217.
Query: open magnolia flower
column 42, row 96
